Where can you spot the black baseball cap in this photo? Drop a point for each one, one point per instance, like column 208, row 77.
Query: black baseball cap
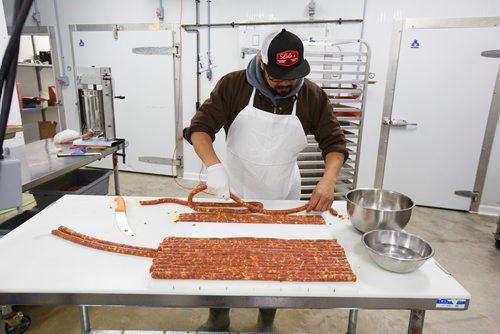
column 283, row 54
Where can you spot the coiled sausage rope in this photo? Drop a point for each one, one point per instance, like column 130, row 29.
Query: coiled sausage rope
column 218, row 207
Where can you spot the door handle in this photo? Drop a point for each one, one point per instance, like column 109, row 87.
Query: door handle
column 468, row 193
column 397, row 122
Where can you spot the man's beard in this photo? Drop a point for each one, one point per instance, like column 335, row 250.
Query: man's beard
column 283, row 90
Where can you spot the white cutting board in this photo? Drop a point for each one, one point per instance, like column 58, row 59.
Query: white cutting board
column 54, row 265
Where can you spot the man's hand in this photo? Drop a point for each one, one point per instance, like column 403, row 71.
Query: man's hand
column 217, row 181
column 322, row 196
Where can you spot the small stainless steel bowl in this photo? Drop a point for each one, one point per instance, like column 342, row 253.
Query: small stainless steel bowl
column 397, row 251
column 371, row 209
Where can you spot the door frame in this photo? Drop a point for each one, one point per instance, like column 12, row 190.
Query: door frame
column 489, row 135
column 178, row 161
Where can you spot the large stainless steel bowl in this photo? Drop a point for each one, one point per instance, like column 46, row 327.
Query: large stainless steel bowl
column 397, row 251
column 371, row 209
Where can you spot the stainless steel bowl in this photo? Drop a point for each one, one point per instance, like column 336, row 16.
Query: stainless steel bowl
column 371, row 209
column 397, row 251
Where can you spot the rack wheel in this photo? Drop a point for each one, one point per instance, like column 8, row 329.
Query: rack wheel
column 21, row 328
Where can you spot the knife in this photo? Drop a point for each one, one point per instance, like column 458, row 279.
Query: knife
column 121, row 216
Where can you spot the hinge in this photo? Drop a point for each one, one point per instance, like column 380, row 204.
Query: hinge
column 116, row 28
column 177, row 50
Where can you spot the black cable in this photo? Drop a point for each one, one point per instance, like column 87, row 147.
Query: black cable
column 16, row 33
column 10, row 78
column 9, row 65
column 17, row 26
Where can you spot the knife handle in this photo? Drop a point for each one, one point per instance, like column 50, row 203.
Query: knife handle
column 120, row 204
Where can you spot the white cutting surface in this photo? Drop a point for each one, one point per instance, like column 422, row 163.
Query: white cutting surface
column 39, row 262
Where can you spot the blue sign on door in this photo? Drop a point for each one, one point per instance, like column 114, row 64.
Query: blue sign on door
column 415, row 44
column 82, row 43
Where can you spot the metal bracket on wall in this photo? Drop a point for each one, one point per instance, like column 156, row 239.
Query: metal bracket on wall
column 248, row 51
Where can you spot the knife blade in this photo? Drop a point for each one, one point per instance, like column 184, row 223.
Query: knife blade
column 121, row 216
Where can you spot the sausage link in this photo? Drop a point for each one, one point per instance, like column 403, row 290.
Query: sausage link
column 109, row 246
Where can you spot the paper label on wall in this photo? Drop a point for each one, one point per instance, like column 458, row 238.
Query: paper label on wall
column 450, row 303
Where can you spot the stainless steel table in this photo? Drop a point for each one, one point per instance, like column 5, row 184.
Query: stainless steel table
column 39, row 161
column 39, row 164
column 68, row 273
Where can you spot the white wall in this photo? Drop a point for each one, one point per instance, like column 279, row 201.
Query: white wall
column 380, row 16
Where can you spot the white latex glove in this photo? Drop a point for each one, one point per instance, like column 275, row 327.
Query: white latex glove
column 217, row 181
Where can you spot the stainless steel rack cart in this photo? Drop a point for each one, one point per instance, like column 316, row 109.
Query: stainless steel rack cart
column 341, row 69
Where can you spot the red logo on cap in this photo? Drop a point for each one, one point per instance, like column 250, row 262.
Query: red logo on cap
column 287, row 58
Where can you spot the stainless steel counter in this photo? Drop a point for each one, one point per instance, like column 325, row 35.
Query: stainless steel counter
column 39, row 161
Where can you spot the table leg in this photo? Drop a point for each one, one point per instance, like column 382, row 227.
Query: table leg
column 416, row 325
column 115, row 174
column 15, row 322
column 84, row 319
column 44, row 117
column 497, row 234
column 353, row 321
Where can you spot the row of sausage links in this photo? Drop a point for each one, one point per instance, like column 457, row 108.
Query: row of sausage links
column 203, row 217
column 251, row 259
column 183, row 258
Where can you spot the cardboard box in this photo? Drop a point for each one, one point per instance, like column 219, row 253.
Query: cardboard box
column 47, row 129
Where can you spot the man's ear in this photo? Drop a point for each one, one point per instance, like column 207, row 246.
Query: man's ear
column 261, row 63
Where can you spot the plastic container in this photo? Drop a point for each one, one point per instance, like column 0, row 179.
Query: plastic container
column 78, row 182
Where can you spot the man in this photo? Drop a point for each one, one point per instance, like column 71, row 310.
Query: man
column 267, row 110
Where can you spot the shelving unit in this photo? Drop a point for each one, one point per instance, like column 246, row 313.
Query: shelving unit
column 341, row 69
column 34, row 65
column 35, row 78
column 41, row 110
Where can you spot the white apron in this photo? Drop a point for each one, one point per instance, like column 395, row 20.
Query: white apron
column 262, row 150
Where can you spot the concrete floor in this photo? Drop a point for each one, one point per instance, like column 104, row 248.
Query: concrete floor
column 463, row 242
